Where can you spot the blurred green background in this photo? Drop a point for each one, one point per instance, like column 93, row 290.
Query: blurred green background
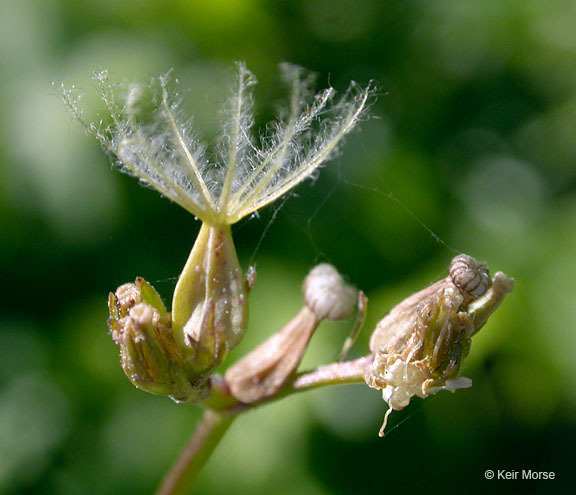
column 472, row 138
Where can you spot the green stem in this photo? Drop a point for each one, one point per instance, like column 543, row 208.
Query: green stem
column 205, row 439
column 331, row 374
column 222, row 408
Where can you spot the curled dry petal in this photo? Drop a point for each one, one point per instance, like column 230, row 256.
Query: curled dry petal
column 326, row 293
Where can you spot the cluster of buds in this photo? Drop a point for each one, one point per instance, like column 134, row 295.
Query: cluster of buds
column 175, row 353
column 416, row 350
column 420, row 345
column 150, row 355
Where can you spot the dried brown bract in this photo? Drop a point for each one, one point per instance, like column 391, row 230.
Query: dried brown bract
column 265, row 370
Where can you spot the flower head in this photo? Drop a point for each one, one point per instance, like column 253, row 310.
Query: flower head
column 150, row 140
column 420, row 345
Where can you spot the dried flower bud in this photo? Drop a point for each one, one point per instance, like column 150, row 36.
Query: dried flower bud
column 210, row 307
column 150, row 358
column 265, row 370
column 326, row 293
column 419, row 346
